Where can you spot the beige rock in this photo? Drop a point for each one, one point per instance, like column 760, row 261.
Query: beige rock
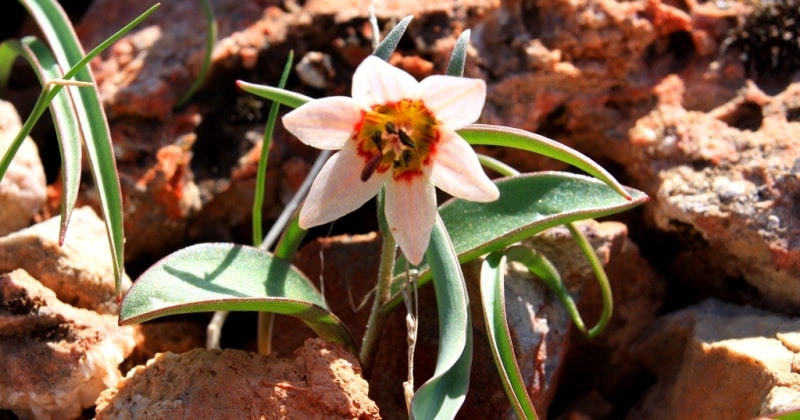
column 79, row 272
column 726, row 182
column 718, row 360
column 56, row 359
column 322, row 382
column 23, row 188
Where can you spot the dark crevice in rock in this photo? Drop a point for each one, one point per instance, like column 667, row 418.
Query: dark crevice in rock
column 532, row 19
column 677, row 49
column 793, row 114
column 747, row 117
column 554, row 125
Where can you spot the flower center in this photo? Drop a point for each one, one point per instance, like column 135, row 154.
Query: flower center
column 398, row 136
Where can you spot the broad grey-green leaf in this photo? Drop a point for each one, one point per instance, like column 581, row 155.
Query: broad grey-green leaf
column 229, row 277
column 528, row 204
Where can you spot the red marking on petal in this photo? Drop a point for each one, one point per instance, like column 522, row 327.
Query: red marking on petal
column 407, row 175
column 357, row 126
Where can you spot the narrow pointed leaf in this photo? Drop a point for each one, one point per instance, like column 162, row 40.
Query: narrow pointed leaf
column 68, row 129
column 493, row 303
column 528, row 204
column 494, row 135
column 66, row 48
column 458, row 59
column 389, row 44
column 211, row 41
column 443, row 394
column 229, row 277
column 281, row 96
column 266, row 144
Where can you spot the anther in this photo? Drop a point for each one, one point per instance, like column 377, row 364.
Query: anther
column 405, row 139
column 376, row 138
column 406, row 156
column 370, row 167
column 390, row 128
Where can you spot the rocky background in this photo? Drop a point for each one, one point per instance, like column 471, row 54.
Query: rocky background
column 696, row 103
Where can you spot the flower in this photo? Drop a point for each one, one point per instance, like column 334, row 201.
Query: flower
column 396, row 132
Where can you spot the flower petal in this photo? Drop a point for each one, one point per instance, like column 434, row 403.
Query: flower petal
column 325, row 123
column 411, row 212
column 456, row 170
column 378, row 82
column 455, row 101
column 338, row 189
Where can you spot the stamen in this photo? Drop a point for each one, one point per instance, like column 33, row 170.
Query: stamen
column 390, row 128
column 406, row 156
column 370, row 167
column 376, row 138
column 405, row 139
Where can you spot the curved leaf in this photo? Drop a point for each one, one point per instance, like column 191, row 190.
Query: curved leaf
column 442, row 396
column 389, row 43
column 528, row 204
column 493, row 301
column 495, row 135
column 68, row 130
column 89, row 112
column 229, row 277
column 541, row 267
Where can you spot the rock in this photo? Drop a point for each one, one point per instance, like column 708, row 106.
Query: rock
column 56, row 358
column 79, row 272
column 23, row 189
column 541, row 328
column 728, row 182
column 322, row 381
column 171, row 334
column 594, row 370
column 718, row 360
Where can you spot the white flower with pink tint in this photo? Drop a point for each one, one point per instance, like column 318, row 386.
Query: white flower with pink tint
column 396, row 132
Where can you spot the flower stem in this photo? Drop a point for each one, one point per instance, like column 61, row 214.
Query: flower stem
column 383, row 292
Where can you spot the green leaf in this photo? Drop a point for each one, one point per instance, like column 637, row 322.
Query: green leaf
column 229, row 277
column 528, row 204
column 266, row 143
column 494, row 313
column 538, row 265
column 211, row 41
column 389, row 44
column 495, row 135
column 7, row 56
column 89, row 113
column 281, row 96
column 68, row 129
column 458, row 59
column 443, row 394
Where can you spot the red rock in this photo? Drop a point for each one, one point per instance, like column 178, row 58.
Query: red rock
column 56, row 358
column 322, row 381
